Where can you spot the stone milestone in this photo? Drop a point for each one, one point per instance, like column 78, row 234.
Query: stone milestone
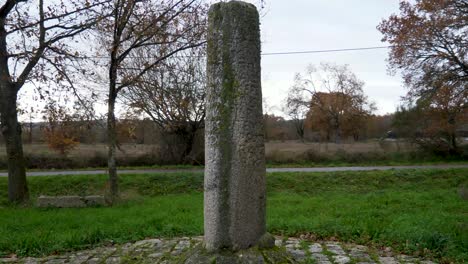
column 234, row 205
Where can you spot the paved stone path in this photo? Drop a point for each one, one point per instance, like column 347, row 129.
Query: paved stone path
column 172, row 250
column 269, row 170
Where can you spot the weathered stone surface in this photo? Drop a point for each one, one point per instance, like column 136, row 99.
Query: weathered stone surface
column 32, row 261
column 180, row 247
column 278, row 242
column 113, row 260
column 95, row 200
column 247, row 256
column 335, row 248
column 70, row 201
column 388, row 260
column 190, row 250
column 235, row 197
column 60, row 201
column 94, row 261
column 266, row 241
column 320, row 258
column 315, row 248
column 298, row 254
column 341, row 259
column 359, row 253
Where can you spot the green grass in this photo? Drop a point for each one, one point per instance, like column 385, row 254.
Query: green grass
column 307, row 164
column 414, row 211
column 341, row 159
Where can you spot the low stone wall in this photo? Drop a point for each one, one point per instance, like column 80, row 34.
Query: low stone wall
column 70, row 201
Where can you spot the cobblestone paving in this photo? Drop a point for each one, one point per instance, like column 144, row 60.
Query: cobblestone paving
column 171, row 250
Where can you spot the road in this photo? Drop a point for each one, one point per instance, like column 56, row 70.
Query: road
column 269, row 170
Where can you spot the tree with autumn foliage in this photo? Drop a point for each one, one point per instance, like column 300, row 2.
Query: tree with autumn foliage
column 337, row 105
column 433, row 122
column 60, row 128
column 429, row 46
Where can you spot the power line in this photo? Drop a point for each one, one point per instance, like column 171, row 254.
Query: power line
column 263, row 54
column 323, row 51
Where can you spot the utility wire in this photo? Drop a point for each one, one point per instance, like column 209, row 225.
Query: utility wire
column 263, row 54
column 323, row 51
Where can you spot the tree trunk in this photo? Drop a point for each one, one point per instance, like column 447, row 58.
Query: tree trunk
column 11, row 131
column 337, row 133
column 189, row 139
column 112, row 137
column 453, row 146
column 30, row 135
column 300, row 129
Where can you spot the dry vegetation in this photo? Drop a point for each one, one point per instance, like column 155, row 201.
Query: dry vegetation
column 294, row 148
column 381, row 152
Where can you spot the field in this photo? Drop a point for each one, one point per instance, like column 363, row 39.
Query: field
column 293, row 147
column 419, row 212
column 287, row 153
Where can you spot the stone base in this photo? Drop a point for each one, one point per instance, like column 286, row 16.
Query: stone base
column 255, row 255
column 190, row 250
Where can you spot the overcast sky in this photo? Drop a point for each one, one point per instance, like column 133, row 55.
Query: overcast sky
column 304, row 25
column 298, row 25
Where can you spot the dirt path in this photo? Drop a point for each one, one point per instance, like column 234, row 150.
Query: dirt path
column 269, row 170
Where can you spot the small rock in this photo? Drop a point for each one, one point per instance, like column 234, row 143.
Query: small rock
column 266, row 241
column 8, row 260
column 278, row 242
column 30, row 261
column 79, row 258
column 55, row 261
column 358, row 253
column 155, row 255
column 406, row 259
column 94, row 261
column 183, row 244
column 341, row 259
column 320, row 258
column 315, row 248
column 113, row 260
column 388, row 260
column 147, row 243
column 335, row 248
column 297, row 254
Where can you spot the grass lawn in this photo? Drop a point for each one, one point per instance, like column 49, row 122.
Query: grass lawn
column 414, row 211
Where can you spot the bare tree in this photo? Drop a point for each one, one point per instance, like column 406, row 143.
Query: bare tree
column 34, row 47
column 296, row 107
column 168, row 26
column 173, row 96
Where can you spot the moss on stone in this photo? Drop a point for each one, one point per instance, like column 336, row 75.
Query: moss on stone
column 252, row 255
column 233, row 33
